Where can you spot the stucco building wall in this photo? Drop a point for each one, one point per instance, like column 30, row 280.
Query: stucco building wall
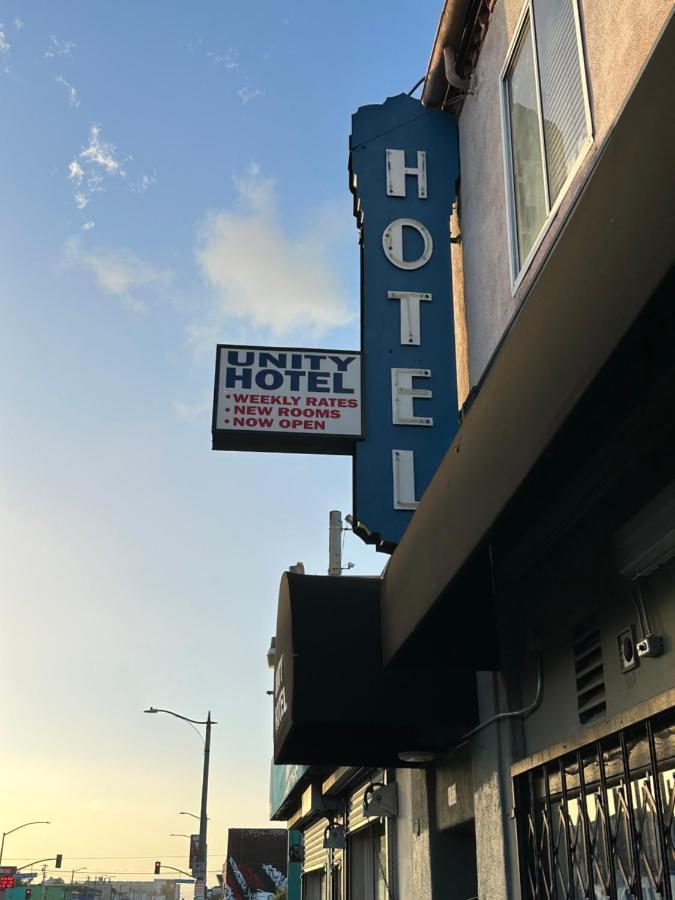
column 618, row 38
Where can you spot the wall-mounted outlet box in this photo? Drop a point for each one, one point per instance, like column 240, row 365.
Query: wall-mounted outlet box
column 651, row 645
column 628, row 655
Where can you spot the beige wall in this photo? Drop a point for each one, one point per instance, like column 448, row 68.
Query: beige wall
column 618, row 37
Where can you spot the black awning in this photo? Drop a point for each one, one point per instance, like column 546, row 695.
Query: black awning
column 334, row 704
column 614, row 251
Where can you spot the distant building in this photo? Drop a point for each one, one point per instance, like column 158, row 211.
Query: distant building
column 51, row 891
column 99, row 889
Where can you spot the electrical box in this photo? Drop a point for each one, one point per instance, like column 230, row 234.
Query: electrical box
column 649, row 645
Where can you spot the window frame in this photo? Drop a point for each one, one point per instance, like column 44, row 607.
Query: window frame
column 518, row 269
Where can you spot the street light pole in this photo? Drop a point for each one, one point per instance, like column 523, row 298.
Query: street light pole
column 73, row 873
column 200, row 875
column 199, row 892
column 12, row 830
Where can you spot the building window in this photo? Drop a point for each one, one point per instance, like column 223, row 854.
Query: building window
column 598, row 821
column 547, row 123
column 367, row 864
column 314, row 885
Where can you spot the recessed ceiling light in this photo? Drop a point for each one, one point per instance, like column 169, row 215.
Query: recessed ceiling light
column 416, row 756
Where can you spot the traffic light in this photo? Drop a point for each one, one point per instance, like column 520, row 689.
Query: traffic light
column 158, row 866
column 59, row 860
column 28, row 892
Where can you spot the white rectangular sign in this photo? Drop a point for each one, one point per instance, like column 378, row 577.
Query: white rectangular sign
column 286, row 395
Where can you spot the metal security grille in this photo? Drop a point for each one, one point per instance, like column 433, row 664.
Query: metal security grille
column 599, row 822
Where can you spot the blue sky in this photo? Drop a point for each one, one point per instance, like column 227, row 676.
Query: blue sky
column 174, row 175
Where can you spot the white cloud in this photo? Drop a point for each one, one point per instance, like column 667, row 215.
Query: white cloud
column 101, row 153
column 75, row 171
column 256, row 193
column 58, row 48
column 18, row 23
column 262, row 275
column 88, row 225
column 117, row 272
column 229, row 59
column 5, row 50
column 193, row 411
column 71, row 93
column 144, row 183
column 246, row 94
column 96, row 162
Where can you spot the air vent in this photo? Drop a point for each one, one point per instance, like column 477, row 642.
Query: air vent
column 590, row 676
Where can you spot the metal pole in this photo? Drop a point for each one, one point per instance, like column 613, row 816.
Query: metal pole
column 200, row 881
column 18, row 827
column 335, row 542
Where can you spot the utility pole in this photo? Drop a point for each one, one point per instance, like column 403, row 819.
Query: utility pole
column 200, row 880
column 199, row 872
column 335, row 542
column 12, row 830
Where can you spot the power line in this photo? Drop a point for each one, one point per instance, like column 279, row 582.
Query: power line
column 362, row 144
column 77, row 858
column 87, row 876
column 90, row 873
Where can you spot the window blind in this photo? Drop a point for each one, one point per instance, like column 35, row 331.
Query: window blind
column 561, row 87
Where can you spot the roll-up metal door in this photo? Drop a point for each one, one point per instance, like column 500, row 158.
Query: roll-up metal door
column 315, row 855
column 355, row 817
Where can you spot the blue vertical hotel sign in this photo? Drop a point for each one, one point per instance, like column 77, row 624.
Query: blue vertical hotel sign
column 403, row 167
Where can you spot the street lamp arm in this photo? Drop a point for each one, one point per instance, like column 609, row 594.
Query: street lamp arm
column 170, row 712
column 25, row 824
column 196, row 731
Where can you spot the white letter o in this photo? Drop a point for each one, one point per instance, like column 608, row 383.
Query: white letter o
column 392, row 243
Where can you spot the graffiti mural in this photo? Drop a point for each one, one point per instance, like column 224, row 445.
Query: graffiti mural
column 256, row 867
